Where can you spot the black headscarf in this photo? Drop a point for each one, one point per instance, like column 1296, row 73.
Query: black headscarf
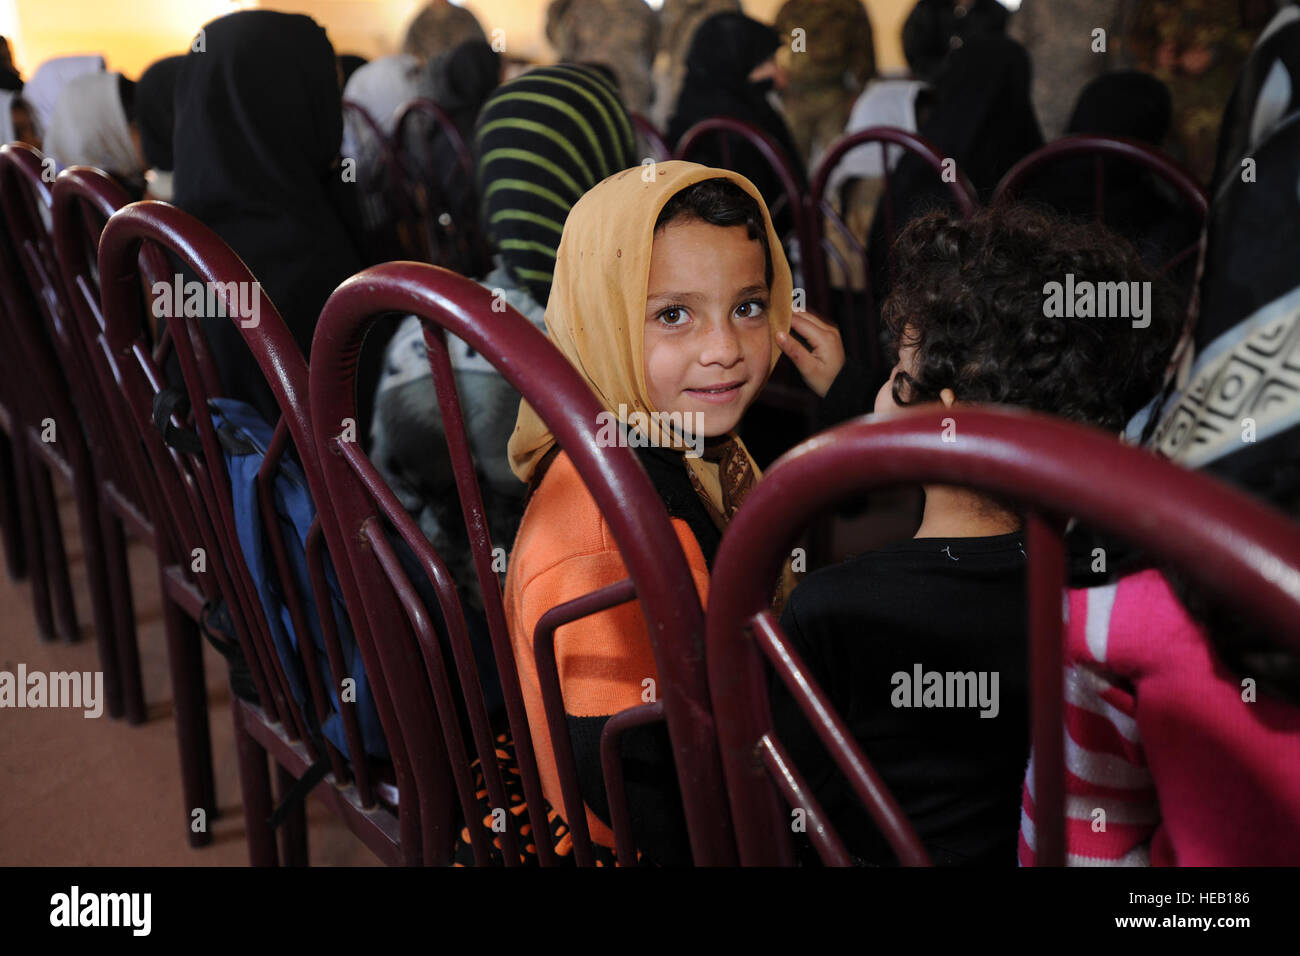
column 155, row 112
column 461, row 80
column 933, row 30
column 9, row 78
column 724, row 51
column 1124, row 103
column 258, row 127
column 983, row 119
column 1138, row 205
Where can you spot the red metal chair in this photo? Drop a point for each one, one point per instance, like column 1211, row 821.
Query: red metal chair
column 84, row 199
column 650, row 138
column 659, row 576
column 1233, row 547
column 724, row 129
column 822, row 210
column 443, row 221
column 61, row 388
column 199, row 496
column 1065, row 158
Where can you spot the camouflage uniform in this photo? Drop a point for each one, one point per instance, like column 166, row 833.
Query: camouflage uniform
column 1197, row 47
column 621, row 35
column 677, row 22
column 827, row 71
column 439, row 27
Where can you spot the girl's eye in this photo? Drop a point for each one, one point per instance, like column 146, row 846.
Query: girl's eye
column 672, row 316
column 751, row 309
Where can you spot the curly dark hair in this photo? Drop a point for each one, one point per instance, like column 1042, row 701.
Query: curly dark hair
column 970, row 295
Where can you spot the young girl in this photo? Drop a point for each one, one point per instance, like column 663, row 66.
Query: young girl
column 670, row 289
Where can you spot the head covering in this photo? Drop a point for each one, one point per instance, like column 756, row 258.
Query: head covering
column 1124, row 103
column 596, row 316
column 43, row 89
column 543, row 140
column 90, row 127
column 725, row 50
column 155, row 112
column 460, row 80
column 9, row 78
column 1238, row 413
column 934, row 29
column 982, row 113
column 259, row 120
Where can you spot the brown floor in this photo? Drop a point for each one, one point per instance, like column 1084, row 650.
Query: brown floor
column 76, row 791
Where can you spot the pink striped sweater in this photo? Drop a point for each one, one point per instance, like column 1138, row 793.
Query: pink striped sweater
column 1166, row 763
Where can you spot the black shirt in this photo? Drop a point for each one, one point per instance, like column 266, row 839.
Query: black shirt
column 953, row 606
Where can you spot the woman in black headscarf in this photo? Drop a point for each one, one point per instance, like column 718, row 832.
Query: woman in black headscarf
column 155, row 119
column 1137, row 204
column 258, row 125
column 726, row 51
column 983, row 119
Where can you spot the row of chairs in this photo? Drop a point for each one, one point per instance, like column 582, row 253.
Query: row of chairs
column 735, row 776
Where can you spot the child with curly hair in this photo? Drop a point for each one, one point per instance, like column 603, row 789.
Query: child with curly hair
column 972, row 319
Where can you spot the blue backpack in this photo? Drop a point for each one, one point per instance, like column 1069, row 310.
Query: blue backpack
column 245, row 437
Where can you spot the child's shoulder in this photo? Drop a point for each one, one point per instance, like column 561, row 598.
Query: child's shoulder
column 562, row 519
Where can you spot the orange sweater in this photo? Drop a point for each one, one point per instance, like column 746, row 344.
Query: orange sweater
column 565, row 549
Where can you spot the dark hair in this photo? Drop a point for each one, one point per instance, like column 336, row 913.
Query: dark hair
column 971, row 295
column 720, row 202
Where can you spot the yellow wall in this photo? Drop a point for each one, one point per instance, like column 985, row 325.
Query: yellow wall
column 134, row 33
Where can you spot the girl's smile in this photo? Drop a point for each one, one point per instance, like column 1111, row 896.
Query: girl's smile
column 707, row 344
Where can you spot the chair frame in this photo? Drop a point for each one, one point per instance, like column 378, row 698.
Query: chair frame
column 54, row 375
column 450, row 303
column 818, row 206
column 199, row 494
column 1237, row 549
column 84, row 198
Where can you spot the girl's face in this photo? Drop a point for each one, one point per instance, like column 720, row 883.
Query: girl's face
column 707, row 344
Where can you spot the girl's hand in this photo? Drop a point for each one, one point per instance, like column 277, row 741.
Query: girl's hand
column 820, row 363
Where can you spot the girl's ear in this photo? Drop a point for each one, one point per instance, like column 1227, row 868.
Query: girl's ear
column 947, row 397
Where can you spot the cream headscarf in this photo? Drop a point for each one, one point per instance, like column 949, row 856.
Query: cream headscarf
column 596, row 315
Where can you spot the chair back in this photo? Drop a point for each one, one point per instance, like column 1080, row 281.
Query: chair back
column 649, row 139
column 83, row 199
column 1233, row 547
column 733, row 135
column 658, row 573
column 440, row 203
column 1067, row 161
column 833, row 243
column 199, row 468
